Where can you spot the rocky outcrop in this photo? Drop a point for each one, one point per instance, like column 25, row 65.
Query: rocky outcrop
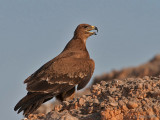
column 131, row 98
column 128, row 94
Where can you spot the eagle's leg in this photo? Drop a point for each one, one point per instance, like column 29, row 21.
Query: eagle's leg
column 66, row 95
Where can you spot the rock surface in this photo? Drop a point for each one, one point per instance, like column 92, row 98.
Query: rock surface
column 131, row 98
column 128, row 94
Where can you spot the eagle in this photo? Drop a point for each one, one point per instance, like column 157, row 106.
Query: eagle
column 60, row 77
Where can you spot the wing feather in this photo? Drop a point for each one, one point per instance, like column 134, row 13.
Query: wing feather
column 61, row 74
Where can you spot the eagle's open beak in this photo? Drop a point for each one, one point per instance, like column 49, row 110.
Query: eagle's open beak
column 94, row 28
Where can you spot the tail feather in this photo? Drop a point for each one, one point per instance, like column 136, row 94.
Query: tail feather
column 31, row 102
column 28, row 97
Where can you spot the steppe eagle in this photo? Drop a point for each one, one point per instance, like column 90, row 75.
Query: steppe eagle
column 60, row 76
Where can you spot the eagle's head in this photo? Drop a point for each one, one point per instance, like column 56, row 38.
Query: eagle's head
column 85, row 30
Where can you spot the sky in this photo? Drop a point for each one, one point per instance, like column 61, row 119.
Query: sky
column 34, row 31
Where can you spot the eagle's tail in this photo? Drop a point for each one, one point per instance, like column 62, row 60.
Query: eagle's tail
column 31, row 102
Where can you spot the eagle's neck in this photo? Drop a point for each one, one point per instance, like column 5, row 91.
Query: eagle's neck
column 76, row 44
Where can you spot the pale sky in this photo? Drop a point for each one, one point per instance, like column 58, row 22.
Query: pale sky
column 34, row 31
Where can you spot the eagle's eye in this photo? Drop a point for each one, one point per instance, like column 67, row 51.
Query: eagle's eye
column 85, row 26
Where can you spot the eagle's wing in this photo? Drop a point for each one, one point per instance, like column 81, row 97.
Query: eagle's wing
column 60, row 75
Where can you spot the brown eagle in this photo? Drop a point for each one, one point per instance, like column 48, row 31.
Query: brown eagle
column 59, row 77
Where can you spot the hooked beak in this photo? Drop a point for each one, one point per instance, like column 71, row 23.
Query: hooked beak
column 94, row 28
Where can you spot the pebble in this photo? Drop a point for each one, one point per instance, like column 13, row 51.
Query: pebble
column 81, row 101
column 96, row 101
column 143, row 102
column 91, row 104
column 140, row 86
column 103, row 83
column 98, row 92
column 139, row 79
column 111, row 90
column 146, row 77
column 88, row 98
column 148, row 86
column 120, row 102
column 95, row 87
column 84, row 96
column 140, row 96
column 154, row 85
column 90, row 109
column 111, row 99
column 146, row 99
column 132, row 105
column 98, row 85
column 58, row 107
column 124, row 107
column 113, row 118
column 114, row 104
column 25, row 119
column 66, row 103
column 102, row 104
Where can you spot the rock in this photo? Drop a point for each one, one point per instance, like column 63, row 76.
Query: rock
column 148, row 86
column 61, row 116
column 114, row 104
column 103, row 83
column 90, row 109
column 132, row 105
column 98, row 92
column 96, row 101
column 111, row 90
column 102, row 104
column 146, row 77
column 81, row 102
column 120, row 102
column 111, row 99
column 25, row 119
column 66, row 103
column 143, row 102
column 124, row 107
column 58, row 107
column 84, row 96
column 129, row 99
column 113, row 118
column 140, row 86
column 105, row 115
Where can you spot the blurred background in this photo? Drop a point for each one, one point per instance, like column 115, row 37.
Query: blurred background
column 34, row 31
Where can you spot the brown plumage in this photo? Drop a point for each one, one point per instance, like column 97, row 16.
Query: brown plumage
column 58, row 77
